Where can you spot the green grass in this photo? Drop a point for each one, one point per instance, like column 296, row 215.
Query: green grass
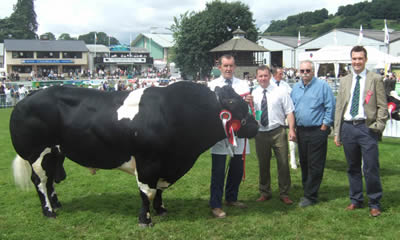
column 105, row 205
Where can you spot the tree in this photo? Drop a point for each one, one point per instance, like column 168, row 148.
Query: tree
column 65, row 36
column 23, row 20
column 195, row 34
column 47, row 36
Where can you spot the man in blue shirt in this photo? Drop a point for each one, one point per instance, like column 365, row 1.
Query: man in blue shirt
column 314, row 110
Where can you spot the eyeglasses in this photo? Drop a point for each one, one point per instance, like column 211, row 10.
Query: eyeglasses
column 305, row 70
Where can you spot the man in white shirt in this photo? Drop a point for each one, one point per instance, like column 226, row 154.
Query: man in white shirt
column 273, row 105
column 220, row 150
column 283, row 85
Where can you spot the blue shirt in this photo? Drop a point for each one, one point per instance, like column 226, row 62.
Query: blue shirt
column 314, row 103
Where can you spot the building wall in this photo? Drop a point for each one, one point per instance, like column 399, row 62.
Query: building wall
column 156, row 51
column 288, row 57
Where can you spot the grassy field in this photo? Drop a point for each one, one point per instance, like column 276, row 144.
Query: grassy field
column 105, row 205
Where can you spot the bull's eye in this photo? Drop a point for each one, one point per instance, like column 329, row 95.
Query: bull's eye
column 230, row 101
column 243, row 122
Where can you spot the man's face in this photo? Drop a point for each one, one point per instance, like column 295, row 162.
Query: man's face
column 278, row 74
column 227, row 67
column 358, row 61
column 306, row 72
column 263, row 77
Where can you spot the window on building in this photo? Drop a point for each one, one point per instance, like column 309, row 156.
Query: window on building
column 22, row 69
column 48, row 54
column 22, row 54
column 72, row 54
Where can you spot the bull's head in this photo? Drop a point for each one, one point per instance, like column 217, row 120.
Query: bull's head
column 243, row 122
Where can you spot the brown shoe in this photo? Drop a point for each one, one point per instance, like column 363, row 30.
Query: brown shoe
column 263, row 198
column 375, row 212
column 353, row 206
column 286, row 200
column 236, row 204
column 218, row 213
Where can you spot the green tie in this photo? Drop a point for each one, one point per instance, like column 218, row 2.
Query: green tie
column 356, row 98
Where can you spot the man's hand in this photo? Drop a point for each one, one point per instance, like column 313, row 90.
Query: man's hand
column 249, row 98
column 337, row 141
column 324, row 127
column 292, row 135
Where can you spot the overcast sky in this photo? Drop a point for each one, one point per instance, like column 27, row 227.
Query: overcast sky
column 123, row 18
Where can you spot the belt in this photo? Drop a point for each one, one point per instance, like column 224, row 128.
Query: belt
column 355, row 122
column 308, row 128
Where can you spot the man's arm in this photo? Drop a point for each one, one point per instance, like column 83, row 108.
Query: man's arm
column 381, row 105
column 291, row 122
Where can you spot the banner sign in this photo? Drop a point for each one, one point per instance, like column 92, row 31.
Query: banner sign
column 125, row 60
column 47, row 61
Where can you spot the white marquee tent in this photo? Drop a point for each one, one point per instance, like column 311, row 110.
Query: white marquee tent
column 336, row 55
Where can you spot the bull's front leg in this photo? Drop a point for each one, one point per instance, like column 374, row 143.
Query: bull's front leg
column 158, row 204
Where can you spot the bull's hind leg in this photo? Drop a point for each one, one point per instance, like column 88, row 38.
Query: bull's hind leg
column 158, row 204
column 43, row 176
column 144, row 214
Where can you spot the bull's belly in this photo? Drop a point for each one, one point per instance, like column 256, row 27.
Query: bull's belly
column 99, row 161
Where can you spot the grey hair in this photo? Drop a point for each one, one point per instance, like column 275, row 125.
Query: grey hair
column 308, row 61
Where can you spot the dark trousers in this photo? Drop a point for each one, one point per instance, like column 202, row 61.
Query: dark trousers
column 360, row 144
column 233, row 180
column 312, row 145
column 266, row 142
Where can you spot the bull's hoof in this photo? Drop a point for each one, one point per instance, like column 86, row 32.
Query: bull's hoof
column 57, row 206
column 49, row 214
column 146, row 225
column 161, row 212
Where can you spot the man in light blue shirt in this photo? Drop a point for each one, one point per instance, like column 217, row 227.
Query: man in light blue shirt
column 314, row 111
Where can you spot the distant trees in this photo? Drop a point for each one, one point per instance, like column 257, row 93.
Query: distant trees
column 65, row 36
column 349, row 16
column 102, row 38
column 195, row 34
column 47, row 36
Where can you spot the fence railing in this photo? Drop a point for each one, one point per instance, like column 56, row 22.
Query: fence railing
column 6, row 100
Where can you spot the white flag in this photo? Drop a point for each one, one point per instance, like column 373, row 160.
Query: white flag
column 299, row 40
column 361, row 36
column 386, row 34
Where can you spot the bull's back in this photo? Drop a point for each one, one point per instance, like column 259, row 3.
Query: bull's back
column 59, row 115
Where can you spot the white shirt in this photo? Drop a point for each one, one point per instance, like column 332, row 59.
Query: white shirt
column 282, row 84
column 361, row 115
column 279, row 105
column 240, row 87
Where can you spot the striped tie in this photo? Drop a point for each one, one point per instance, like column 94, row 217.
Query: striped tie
column 356, row 98
column 264, row 109
column 228, row 82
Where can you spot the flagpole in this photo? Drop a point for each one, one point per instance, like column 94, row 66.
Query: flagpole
column 95, row 46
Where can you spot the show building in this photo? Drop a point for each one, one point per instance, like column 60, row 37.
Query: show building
column 28, row 59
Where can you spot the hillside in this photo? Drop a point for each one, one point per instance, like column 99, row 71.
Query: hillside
column 370, row 15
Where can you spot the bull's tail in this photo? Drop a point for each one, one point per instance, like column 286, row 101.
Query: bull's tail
column 22, row 173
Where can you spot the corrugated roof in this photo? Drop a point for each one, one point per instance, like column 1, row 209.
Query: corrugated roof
column 165, row 40
column 45, row 45
column 378, row 35
column 239, row 44
column 97, row 48
column 286, row 40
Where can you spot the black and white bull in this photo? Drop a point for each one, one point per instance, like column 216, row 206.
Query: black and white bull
column 156, row 134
